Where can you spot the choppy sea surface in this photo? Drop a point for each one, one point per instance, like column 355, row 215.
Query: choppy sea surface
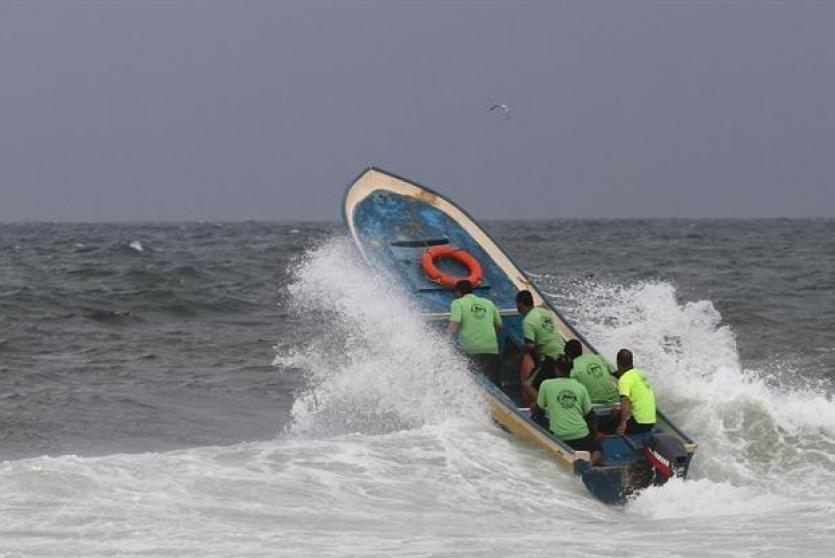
column 253, row 389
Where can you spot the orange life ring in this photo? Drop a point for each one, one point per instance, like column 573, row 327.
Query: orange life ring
column 447, row 251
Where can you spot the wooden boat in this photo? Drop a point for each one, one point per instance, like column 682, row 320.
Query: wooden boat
column 395, row 221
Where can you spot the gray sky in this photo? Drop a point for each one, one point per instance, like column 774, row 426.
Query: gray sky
column 266, row 110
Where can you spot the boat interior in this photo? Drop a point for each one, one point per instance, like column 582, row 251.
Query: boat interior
column 617, row 450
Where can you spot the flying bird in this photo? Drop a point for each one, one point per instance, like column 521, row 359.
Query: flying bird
column 503, row 108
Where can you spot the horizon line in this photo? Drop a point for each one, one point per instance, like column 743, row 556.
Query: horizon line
column 339, row 221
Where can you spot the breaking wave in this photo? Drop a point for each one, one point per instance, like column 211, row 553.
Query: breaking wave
column 390, row 451
column 372, row 364
column 756, row 430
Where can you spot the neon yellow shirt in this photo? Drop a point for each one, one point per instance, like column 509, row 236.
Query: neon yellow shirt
column 478, row 318
column 634, row 385
column 539, row 328
column 593, row 371
column 568, row 403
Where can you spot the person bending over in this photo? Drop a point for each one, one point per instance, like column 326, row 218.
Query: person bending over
column 542, row 341
column 476, row 321
column 637, row 400
column 571, row 418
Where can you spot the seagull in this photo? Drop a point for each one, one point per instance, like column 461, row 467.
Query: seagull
column 502, row 107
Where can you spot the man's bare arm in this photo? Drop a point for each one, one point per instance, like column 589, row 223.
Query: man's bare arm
column 625, row 412
column 526, row 368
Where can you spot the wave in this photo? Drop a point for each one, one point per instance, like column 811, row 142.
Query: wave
column 769, row 430
column 109, row 316
column 391, row 452
column 440, row 489
column 372, row 364
column 416, row 490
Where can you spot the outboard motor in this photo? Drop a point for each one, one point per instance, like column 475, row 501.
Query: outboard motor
column 667, row 456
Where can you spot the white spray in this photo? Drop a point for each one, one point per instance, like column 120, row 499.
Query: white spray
column 372, row 364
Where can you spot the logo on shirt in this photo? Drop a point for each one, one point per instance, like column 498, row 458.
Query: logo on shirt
column 567, row 399
column 547, row 323
column 478, row 310
column 595, row 370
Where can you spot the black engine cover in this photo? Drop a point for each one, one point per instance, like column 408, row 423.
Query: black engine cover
column 667, row 455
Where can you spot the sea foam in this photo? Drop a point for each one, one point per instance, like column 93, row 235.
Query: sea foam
column 372, row 363
column 753, row 430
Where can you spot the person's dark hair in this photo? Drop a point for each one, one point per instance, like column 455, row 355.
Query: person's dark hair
column 573, row 348
column 464, row 287
column 625, row 359
column 563, row 365
column 547, row 371
column 524, row 297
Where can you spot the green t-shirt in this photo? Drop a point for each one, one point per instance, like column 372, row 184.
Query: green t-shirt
column 593, row 372
column 478, row 318
column 539, row 328
column 568, row 403
column 634, row 385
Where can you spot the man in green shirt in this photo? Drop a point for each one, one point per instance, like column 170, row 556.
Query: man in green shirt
column 542, row 341
column 569, row 409
column 476, row 321
column 594, row 372
column 637, row 400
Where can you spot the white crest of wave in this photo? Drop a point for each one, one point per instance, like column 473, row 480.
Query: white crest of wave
column 136, row 245
column 372, row 364
column 703, row 498
column 752, row 428
column 419, row 491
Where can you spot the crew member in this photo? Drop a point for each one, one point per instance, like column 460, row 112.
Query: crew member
column 637, row 400
column 542, row 341
column 594, row 372
column 476, row 321
column 570, row 413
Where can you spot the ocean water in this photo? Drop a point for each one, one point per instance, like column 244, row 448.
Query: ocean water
column 253, row 389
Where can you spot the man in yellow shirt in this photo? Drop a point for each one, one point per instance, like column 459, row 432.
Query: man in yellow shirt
column 637, row 400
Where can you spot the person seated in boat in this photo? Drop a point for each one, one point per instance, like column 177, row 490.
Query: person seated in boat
column 542, row 341
column 594, row 372
column 476, row 320
column 637, row 400
column 570, row 414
